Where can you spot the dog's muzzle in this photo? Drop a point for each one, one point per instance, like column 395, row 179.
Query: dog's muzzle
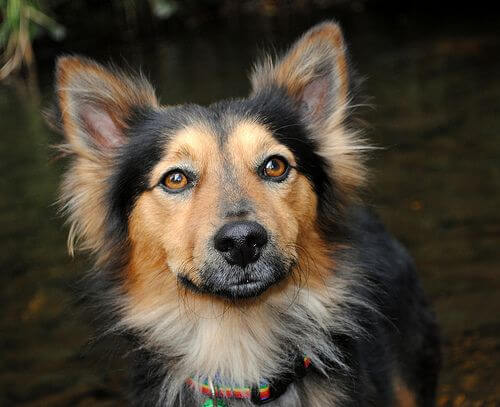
column 243, row 262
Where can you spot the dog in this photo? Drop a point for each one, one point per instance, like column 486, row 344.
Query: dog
column 231, row 244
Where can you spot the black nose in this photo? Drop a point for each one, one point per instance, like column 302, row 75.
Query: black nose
column 241, row 242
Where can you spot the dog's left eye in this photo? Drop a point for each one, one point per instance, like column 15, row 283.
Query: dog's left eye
column 275, row 169
column 175, row 181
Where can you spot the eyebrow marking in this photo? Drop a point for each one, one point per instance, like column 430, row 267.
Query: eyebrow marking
column 182, row 152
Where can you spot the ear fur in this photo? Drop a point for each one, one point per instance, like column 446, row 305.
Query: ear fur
column 95, row 108
column 95, row 104
column 314, row 73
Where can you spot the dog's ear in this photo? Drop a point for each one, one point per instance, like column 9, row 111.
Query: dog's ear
column 96, row 104
column 314, row 74
column 95, row 108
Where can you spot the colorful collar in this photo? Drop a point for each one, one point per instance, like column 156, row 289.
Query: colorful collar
column 263, row 393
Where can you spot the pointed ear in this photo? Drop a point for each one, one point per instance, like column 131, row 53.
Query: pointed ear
column 97, row 104
column 95, row 108
column 314, row 74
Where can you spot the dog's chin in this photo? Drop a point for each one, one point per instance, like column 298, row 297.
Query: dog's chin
column 250, row 289
column 235, row 283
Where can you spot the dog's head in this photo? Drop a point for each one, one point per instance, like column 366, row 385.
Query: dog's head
column 227, row 200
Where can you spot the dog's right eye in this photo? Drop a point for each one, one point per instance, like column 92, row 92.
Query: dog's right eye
column 175, row 181
column 274, row 169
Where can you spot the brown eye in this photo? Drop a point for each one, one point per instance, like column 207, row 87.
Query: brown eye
column 175, row 181
column 275, row 169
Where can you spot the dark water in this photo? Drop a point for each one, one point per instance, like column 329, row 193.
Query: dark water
column 435, row 89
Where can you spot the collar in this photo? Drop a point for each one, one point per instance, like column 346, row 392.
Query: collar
column 262, row 393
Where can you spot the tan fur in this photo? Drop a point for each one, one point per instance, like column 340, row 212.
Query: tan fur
column 83, row 194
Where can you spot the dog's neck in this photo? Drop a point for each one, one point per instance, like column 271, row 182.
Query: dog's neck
column 242, row 344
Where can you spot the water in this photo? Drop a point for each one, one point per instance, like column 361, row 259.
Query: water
column 435, row 90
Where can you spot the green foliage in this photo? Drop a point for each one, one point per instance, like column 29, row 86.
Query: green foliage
column 22, row 21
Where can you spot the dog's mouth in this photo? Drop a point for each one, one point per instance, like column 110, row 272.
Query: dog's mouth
column 247, row 289
column 233, row 282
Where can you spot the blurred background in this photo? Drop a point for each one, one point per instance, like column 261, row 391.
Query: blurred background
column 431, row 73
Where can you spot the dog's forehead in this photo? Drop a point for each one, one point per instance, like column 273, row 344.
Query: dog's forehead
column 223, row 139
column 230, row 140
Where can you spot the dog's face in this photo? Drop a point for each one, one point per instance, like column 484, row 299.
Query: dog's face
column 223, row 204
column 227, row 200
